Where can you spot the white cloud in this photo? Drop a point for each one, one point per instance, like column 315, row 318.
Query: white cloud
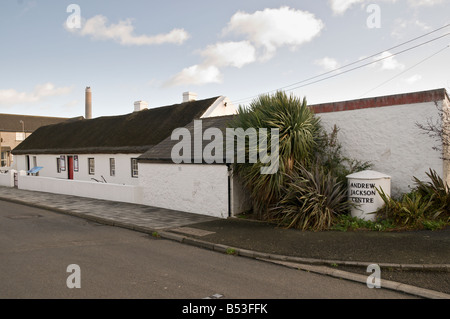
column 413, row 79
column 267, row 30
column 328, row 64
column 221, row 54
column 403, row 26
column 235, row 54
column 123, row 32
column 419, row 3
column 340, row 6
column 273, row 28
column 40, row 92
column 196, row 75
column 388, row 62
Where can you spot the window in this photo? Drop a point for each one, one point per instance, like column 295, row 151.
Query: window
column 75, row 163
column 4, row 159
column 58, row 164
column 112, row 167
column 20, row 136
column 62, row 162
column 134, row 167
column 91, row 165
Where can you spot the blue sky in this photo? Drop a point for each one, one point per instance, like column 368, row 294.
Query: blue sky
column 155, row 50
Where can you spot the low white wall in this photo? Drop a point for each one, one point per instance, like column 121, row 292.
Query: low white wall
column 389, row 138
column 113, row 192
column 199, row 189
column 7, row 179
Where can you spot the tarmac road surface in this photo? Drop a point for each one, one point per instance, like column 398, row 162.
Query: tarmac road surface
column 37, row 246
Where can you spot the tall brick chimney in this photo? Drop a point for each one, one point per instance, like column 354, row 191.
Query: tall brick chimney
column 88, row 104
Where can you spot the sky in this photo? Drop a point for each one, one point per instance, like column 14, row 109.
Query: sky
column 126, row 51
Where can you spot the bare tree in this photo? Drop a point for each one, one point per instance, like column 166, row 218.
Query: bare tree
column 438, row 129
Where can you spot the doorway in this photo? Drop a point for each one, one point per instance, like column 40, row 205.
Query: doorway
column 70, row 167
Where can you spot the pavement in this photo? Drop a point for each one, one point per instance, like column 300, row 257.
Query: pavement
column 413, row 262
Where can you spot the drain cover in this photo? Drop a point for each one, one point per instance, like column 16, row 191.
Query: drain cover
column 192, row 231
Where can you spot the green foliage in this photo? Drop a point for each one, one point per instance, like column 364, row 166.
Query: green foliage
column 298, row 129
column 349, row 223
column 409, row 211
column 427, row 206
column 155, row 234
column 437, row 191
column 312, row 199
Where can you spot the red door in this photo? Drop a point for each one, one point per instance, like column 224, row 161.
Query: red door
column 70, row 166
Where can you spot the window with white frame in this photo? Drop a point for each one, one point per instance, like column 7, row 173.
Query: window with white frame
column 134, row 167
column 20, row 136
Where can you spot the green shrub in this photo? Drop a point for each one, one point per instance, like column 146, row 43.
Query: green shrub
column 427, row 206
column 437, row 191
column 298, row 134
column 347, row 222
column 312, row 200
column 409, row 211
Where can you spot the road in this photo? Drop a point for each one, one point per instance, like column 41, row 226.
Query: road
column 37, row 246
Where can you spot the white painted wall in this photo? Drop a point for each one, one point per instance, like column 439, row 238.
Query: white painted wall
column 102, row 167
column 113, row 192
column 222, row 106
column 389, row 138
column 7, row 179
column 193, row 188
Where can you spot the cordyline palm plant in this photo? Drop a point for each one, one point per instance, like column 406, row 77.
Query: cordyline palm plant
column 312, row 199
column 298, row 134
column 438, row 192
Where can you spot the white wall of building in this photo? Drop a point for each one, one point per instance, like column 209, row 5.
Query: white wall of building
column 193, row 188
column 102, row 167
column 222, row 106
column 389, row 138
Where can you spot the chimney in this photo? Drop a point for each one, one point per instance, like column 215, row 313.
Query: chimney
column 88, row 104
column 189, row 96
column 140, row 105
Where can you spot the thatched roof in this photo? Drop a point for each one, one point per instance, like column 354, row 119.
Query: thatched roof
column 162, row 153
column 131, row 133
column 11, row 122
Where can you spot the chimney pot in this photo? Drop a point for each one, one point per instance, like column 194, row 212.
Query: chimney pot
column 189, row 96
column 140, row 105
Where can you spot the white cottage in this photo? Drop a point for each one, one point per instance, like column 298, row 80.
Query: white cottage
column 105, row 150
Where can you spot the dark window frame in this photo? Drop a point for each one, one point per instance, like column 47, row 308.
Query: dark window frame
column 112, row 166
column 134, row 168
column 91, row 168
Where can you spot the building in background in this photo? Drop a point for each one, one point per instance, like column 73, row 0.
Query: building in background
column 14, row 129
